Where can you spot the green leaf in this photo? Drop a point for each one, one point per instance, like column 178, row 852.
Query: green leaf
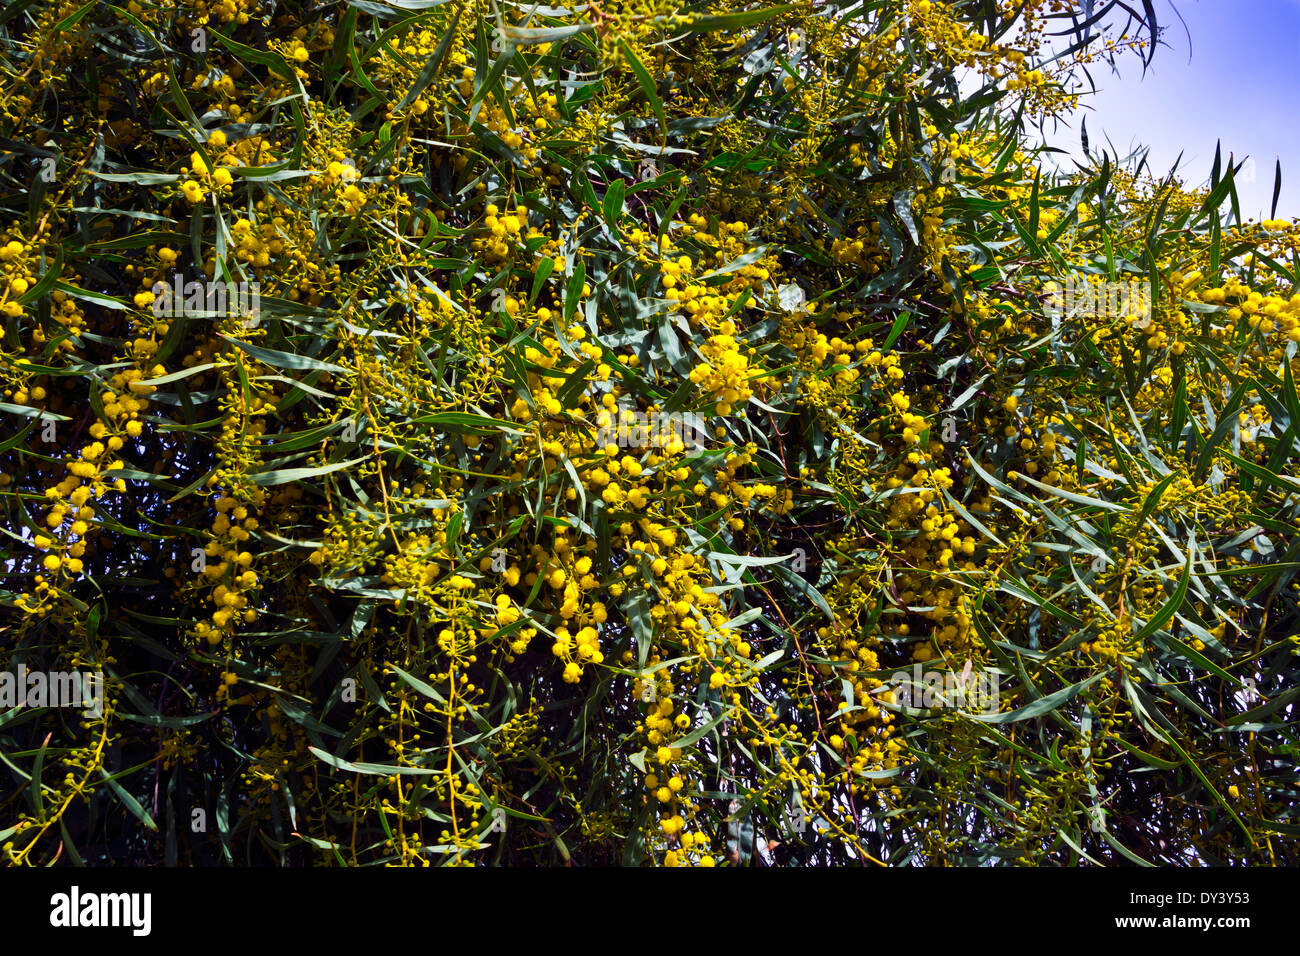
column 612, row 208
column 648, row 87
column 728, row 22
column 433, row 66
column 128, row 801
column 381, row 769
column 286, row 475
column 35, row 788
column 1043, row 705
column 278, row 359
column 469, row 423
column 1170, row 608
column 697, row 733
column 74, row 18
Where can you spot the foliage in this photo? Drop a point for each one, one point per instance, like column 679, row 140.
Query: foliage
column 416, row 562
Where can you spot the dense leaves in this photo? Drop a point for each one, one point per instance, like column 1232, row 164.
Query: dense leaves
column 635, row 433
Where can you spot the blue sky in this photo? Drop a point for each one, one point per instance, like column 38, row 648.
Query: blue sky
column 1231, row 73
